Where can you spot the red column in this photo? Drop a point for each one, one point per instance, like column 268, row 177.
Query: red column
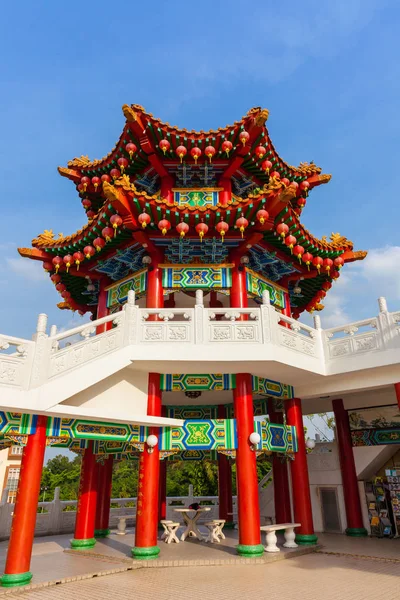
column 246, row 470
column 283, row 512
column 238, row 291
column 87, row 500
column 103, row 504
column 397, row 390
column 154, row 293
column 300, row 483
column 149, row 473
column 355, row 527
column 102, row 310
column 225, row 483
column 162, row 496
column 24, row 520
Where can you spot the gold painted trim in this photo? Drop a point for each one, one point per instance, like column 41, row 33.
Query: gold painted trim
column 109, row 287
column 263, row 278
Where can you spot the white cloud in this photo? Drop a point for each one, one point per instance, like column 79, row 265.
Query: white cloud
column 30, row 270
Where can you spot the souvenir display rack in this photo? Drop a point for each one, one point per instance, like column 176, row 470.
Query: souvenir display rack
column 378, row 510
column 393, row 485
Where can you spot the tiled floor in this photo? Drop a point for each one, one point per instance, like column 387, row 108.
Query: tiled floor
column 314, row 576
column 51, row 564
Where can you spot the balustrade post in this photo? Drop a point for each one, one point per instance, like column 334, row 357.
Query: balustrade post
column 200, row 323
column 41, row 353
column 131, row 311
column 265, row 316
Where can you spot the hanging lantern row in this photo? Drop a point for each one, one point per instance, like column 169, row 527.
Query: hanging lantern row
column 318, row 262
column 201, row 228
column 196, row 152
column 123, row 164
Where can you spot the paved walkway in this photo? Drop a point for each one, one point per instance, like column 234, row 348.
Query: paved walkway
column 314, row 576
column 54, row 562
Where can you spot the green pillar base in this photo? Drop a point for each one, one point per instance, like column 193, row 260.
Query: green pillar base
column 229, row 525
column 360, row 532
column 15, row 579
column 101, row 533
column 304, row 539
column 83, row 544
column 250, row 551
column 145, row 553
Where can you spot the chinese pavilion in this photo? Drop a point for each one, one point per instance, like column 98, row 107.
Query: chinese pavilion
column 169, row 212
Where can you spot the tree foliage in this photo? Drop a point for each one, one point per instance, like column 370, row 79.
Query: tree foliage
column 64, row 473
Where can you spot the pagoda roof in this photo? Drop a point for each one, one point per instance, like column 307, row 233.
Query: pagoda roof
column 140, row 123
column 139, row 189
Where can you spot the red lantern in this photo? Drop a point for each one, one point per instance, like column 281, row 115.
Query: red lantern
column 328, row 264
column 226, row 146
column 304, row 186
column 60, row 287
column 89, row 251
column 318, row 262
column 201, row 229
column 48, row 266
column 116, row 222
column 107, row 233
column 57, row 262
column 181, row 152
column 96, row 181
column 131, row 149
column 182, row 228
column 66, row 295
column 285, row 181
column 195, row 153
column 266, row 166
column 307, row 258
column 290, row 242
column 80, row 188
column 298, row 251
column 164, row 145
column 115, row 174
column 210, row 152
column 335, row 274
column 90, row 214
column 55, row 278
column 262, row 216
column 326, row 285
column 244, row 137
column 78, row 258
column 106, row 177
column 67, row 261
column 242, row 223
column 282, row 230
column 260, row 151
column 301, row 202
column 294, row 185
column 144, row 219
column 222, row 228
column 85, row 181
column 276, row 174
column 86, row 203
column 338, row 262
column 123, row 163
column 99, row 244
column 164, row 226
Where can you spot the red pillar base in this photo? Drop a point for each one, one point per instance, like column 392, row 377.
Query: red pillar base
column 246, row 471
column 87, row 500
column 23, row 525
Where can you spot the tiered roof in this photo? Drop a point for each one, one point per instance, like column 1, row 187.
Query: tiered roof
column 233, row 181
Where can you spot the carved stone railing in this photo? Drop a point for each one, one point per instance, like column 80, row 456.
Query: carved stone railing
column 266, row 333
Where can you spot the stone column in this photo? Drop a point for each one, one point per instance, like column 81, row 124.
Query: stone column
column 24, row 520
column 355, row 526
column 300, row 483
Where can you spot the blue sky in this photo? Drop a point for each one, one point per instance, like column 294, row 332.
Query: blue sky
column 328, row 72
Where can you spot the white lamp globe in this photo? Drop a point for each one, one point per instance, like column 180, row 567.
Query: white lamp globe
column 152, row 441
column 310, row 444
column 255, row 438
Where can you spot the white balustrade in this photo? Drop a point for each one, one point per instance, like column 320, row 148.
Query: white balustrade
column 26, row 364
